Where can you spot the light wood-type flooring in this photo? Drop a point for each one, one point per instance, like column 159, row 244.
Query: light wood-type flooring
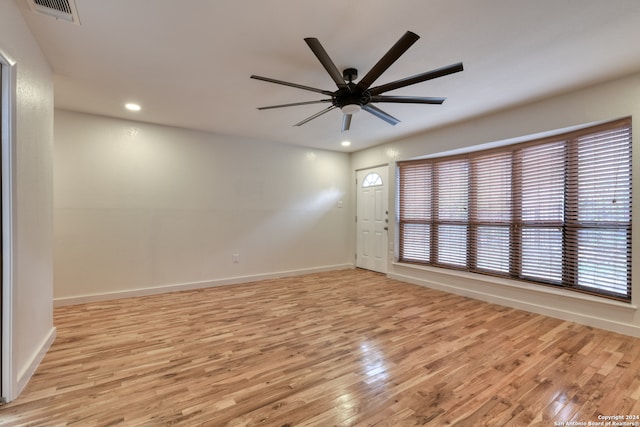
column 343, row 348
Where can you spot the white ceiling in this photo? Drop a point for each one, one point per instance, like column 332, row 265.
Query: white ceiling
column 188, row 62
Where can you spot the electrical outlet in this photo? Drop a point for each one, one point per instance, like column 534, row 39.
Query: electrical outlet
column 235, row 258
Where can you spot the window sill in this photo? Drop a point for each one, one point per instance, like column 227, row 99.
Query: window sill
column 514, row 284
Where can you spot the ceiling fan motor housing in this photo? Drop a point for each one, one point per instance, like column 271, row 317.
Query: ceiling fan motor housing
column 350, row 96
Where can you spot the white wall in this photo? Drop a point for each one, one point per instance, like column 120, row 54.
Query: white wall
column 32, row 288
column 607, row 101
column 142, row 208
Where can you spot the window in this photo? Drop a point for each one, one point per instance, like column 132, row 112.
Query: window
column 555, row 211
column 372, row 180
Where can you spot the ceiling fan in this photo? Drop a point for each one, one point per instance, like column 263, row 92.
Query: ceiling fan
column 352, row 97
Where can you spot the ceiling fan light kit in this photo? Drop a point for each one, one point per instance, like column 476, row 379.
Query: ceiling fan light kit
column 351, row 108
column 351, row 97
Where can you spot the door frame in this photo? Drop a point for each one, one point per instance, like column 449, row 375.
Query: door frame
column 357, row 189
column 7, row 138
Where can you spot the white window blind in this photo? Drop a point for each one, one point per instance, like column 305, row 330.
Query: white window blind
column 556, row 211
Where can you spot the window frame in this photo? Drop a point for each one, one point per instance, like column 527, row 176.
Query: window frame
column 427, row 227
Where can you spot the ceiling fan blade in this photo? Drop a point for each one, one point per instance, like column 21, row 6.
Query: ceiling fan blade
column 326, row 61
column 389, row 58
column 408, row 99
column 381, row 114
column 294, row 104
column 439, row 72
column 308, row 119
column 280, row 82
column 346, row 122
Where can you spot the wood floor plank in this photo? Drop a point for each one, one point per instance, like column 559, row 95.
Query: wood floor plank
column 343, row 348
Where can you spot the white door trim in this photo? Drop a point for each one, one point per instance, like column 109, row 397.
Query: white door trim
column 7, row 138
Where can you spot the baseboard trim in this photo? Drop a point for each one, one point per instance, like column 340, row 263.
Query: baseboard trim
column 27, row 372
column 572, row 316
column 82, row 299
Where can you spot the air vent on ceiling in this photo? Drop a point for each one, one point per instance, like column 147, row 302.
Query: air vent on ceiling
column 59, row 9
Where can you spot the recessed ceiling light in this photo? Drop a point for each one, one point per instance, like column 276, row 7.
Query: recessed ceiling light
column 132, row 107
column 346, row 143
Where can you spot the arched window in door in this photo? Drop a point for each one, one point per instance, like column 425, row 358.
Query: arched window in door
column 372, row 180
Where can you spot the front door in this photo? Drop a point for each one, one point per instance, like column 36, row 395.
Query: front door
column 372, row 219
